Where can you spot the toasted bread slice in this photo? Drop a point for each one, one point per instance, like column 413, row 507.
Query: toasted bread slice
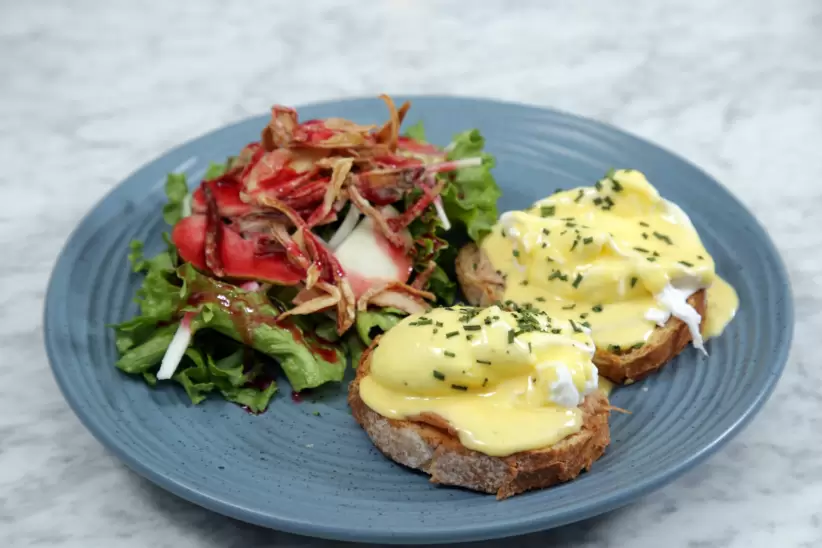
column 429, row 444
column 482, row 286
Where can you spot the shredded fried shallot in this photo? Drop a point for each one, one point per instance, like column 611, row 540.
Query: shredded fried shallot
column 302, row 175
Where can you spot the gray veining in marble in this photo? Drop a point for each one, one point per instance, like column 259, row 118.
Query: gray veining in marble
column 91, row 90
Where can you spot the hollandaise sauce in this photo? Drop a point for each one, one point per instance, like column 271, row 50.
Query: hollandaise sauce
column 506, row 380
column 615, row 258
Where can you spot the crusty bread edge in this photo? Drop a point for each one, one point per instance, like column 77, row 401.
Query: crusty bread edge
column 482, row 286
column 440, row 454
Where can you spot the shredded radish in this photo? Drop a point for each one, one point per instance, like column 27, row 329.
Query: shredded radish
column 346, row 227
column 453, row 165
column 446, row 224
column 177, row 348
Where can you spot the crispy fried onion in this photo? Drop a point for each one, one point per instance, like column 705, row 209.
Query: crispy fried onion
column 323, row 271
column 397, row 295
column 379, row 219
column 421, row 279
column 300, row 176
column 390, row 132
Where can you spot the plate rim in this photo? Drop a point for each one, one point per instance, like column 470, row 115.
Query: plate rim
column 490, row 530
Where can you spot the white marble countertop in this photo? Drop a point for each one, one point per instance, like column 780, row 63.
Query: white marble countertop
column 91, row 90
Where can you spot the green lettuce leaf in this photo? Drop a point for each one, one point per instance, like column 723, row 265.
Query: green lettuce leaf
column 471, row 197
column 470, row 201
column 146, row 354
column 376, row 321
column 354, row 346
column 199, row 374
column 214, row 170
column 306, row 360
column 176, row 191
column 416, row 132
column 158, row 297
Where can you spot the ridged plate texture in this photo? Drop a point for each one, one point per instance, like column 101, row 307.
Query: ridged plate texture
column 292, row 470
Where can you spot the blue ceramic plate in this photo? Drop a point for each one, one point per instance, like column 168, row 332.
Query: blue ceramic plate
column 319, row 475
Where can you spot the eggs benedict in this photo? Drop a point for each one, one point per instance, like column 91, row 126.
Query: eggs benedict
column 617, row 261
column 501, row 399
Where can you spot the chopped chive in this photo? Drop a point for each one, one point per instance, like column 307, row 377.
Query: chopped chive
column 438, row 324
column 643, row 223
column 529, row 347
column 472, row 327
column 515, row 253
column 583, row 315
column 484, row 362
column 644, row 235
column 700, row 257
column 436, row 331
column 547, row 211
column 597, row 200
column 540, row 299
column 663, row 237
column 597, row 308
column 641, row 249
column 563, row 233
column 655, row 254
column 598, row 186
column 451, row 334
column 485, row 382
column 574, row 245
column 546, row 231
column 586, row 324
column 615, row 184
column 588, row 240
column 637, row 346
column 577, row 280
column 650, row 259
column 574, row 326
column 563, row 277
column 614, row 347
column 439, row 376
column 556, row 331
column 633, row 281
column 544, row 245
column 459, row 387
column 554, row 275
column 686, row 263
column 579, row 196
column 449, row 354
column 511, row 337
column 469, row 337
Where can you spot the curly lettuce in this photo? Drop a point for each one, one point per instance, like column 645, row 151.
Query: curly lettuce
column 470, row 202
column 220, row 357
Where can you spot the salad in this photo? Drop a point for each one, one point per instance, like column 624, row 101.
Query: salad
column 299, row 250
